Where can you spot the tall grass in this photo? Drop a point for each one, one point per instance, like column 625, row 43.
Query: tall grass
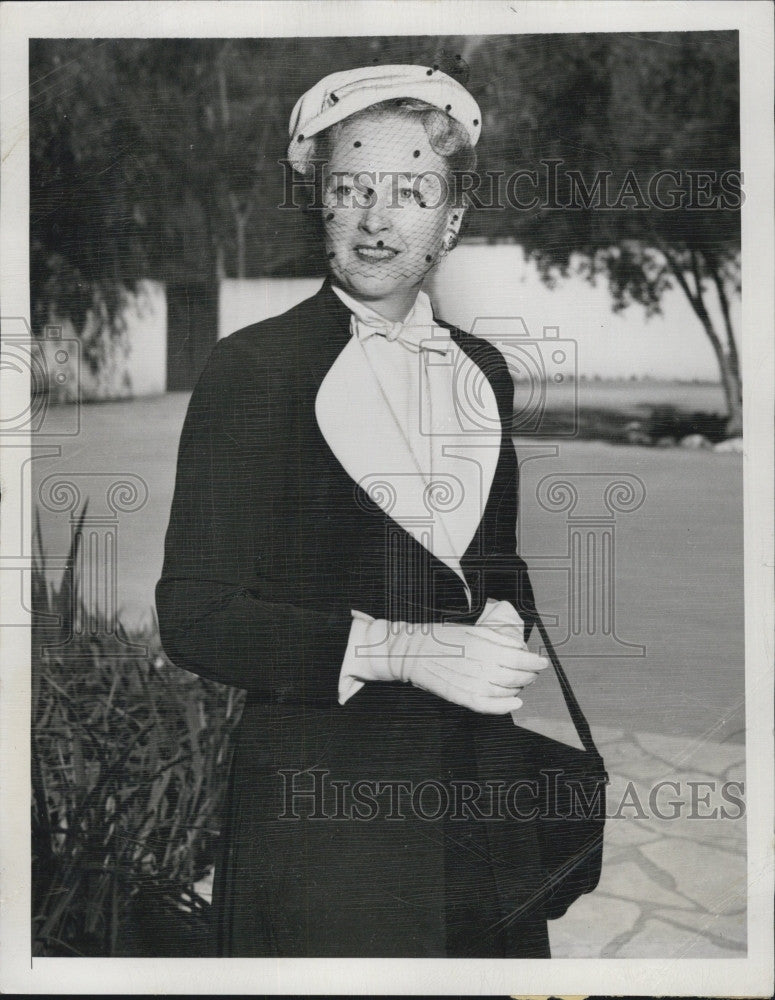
column 130, row 756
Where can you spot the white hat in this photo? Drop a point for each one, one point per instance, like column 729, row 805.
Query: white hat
column 340, row 95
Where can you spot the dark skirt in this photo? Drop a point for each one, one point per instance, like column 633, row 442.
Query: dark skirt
column 350, row 832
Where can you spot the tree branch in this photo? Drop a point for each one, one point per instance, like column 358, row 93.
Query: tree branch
column 698, row 281
column 695, row 299
column 718, row 280
column 677, row 271
column 222, row 87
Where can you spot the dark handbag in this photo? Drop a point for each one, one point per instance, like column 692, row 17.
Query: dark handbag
column 572, row 804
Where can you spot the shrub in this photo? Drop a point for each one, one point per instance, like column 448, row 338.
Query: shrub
column 669, row 421
column 129, row 761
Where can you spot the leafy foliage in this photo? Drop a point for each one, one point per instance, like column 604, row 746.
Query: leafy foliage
column 161, row 158
column 621, row 109
column 130, row 756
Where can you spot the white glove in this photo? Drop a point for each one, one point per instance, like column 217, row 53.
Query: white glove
column 502, row 614
column 481, row 666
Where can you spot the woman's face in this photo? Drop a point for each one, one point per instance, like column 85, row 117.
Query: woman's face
column 386, row 209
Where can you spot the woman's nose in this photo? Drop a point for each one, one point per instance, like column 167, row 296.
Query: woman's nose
column 375, row 218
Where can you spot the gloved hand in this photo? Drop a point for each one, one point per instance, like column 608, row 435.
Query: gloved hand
column 481, row 667
column 502, row 614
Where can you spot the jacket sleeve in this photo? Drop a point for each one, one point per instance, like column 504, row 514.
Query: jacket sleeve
column 215, row 618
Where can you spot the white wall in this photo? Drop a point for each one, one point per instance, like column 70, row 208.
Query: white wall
column 476, row 281
column 146, row 319
column 481, row 280
column 250, row 300
column 136, row 363
column 494, row 280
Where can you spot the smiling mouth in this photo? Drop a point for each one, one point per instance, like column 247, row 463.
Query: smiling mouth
column 375, row 253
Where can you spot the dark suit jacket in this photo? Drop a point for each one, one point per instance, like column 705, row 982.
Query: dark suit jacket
column 270, row 545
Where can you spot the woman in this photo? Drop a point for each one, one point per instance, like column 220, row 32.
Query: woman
column 342, row 546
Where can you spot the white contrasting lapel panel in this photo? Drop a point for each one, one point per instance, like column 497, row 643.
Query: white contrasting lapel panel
column 418, row 431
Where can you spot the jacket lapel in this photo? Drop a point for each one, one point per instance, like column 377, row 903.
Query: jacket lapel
column 345, row 391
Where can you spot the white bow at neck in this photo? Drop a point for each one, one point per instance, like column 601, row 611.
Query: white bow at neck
column 417, row 331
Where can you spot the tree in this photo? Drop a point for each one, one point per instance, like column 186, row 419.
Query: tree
column 146, row 160
column 82, row 228
column 637, row 138
column 161, row 158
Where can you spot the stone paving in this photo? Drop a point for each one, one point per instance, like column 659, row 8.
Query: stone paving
column 670, row 888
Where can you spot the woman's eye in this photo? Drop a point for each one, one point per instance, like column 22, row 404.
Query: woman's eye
column 338, row 195
column 409, row 194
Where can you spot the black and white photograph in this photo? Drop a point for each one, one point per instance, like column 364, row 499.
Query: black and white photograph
column 387, row 446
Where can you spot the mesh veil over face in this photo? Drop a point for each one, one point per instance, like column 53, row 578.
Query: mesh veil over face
column 388, row 201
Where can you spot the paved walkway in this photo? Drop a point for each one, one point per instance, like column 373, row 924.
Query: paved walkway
column 672, row 887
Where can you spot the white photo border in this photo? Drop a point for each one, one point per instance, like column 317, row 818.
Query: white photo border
column 750, row 976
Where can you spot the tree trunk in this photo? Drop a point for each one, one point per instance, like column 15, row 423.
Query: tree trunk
column 241, row 219
column 726, row 357
column 220, row 263
column 723, row 299
column 241, row 224
column 730, row 380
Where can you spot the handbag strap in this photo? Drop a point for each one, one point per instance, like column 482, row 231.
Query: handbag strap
column 576, row 714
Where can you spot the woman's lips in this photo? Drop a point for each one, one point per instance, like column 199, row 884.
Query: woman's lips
column 372, row 253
